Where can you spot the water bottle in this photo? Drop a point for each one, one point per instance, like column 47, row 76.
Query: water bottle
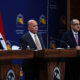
column 28, row 47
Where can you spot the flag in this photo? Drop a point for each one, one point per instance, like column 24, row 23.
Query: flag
column 2, row 34
column 1, row 27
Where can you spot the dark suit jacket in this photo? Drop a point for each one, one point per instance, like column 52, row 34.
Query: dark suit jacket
column 27, row 40
column 69, row 39
column 30, row 67
column 71, row 70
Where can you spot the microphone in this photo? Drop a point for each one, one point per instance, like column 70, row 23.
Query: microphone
column 68, row 46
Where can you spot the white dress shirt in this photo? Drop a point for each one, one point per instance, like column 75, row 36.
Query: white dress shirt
column 74, row 33
column 32, row 35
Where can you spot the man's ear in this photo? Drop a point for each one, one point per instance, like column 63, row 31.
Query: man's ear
column 71, row 26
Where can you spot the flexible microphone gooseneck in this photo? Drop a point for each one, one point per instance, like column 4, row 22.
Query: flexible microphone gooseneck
column 55, row 39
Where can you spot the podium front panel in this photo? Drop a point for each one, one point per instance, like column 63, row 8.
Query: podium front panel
column 9, row 72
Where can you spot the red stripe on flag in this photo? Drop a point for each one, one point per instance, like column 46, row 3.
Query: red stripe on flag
column 1, row 27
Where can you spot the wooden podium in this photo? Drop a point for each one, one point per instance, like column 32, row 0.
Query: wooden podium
column 9, row 70
column 52, row 62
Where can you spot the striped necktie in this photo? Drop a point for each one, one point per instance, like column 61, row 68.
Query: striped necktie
column 37, row 43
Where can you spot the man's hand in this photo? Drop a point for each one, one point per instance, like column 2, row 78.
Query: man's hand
column 78, row 47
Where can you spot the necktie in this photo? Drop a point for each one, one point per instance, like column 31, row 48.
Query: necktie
column 76, row 38
column 37, row 43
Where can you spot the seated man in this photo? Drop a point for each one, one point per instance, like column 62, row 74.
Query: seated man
column 72, row 39
column 31, row 40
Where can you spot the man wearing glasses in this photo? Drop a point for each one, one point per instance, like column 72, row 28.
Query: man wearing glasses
column 72, row 38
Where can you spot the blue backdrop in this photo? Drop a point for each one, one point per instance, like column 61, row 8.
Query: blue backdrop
column 13, row 10
column 50, row 14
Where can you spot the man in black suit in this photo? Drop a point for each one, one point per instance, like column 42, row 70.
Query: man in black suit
column 28, row 40
column 69, row 37
column 31, row 40
column 72, row 39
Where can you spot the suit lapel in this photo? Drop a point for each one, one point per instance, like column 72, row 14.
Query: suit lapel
column 72, row 38
column 78, row 38
column 31, row 41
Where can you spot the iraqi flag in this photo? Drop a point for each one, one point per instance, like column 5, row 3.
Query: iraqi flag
column 2, row 34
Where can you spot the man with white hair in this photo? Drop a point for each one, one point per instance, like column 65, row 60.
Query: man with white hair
column 31, row 40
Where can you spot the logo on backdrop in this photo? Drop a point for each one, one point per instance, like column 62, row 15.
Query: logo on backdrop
column 42, row 24
column 19, row 19
column 42, row 21
column 56, row 73
column 19, row 24
column 10, row 75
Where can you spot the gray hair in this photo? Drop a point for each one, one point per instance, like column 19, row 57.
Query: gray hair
column 73, row 20
column 28, row 23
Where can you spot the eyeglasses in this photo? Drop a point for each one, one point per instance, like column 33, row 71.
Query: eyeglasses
column 76, row 24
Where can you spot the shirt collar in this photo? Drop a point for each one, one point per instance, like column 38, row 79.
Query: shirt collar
column 32, row 33
column 74, row 32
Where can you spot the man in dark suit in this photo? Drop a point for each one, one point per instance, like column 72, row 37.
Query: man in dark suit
column 28, row 40
column 69, row 37
column 31, row 40
column 72, row 39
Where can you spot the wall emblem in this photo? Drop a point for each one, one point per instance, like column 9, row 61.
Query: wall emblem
column 10, row 75
column 42, row 20
column 19, row 24
column 19, row 18
column 56, row 73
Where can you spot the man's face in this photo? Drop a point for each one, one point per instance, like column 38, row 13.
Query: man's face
column 76, row 26
column 33, row 26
